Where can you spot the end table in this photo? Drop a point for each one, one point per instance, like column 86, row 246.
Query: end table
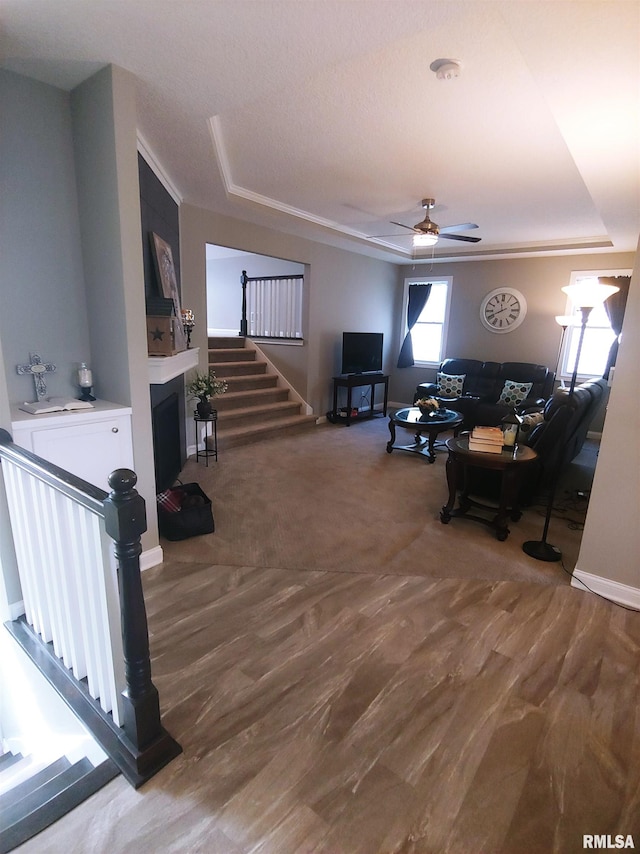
column 210, row 450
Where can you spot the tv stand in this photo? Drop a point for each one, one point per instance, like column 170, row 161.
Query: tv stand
column 351, row 381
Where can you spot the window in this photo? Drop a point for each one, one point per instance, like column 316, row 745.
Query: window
column 428, row 336
column 598, row 336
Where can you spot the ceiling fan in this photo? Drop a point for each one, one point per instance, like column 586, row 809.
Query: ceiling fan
column 426, row 233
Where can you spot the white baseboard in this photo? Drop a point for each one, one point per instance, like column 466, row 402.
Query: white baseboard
column 151, row 557
column 16, row 609
column 623, row 594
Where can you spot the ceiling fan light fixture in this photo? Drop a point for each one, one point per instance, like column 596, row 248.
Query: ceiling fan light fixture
column 427, row 238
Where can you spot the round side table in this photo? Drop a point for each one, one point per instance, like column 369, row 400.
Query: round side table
column 511, row 463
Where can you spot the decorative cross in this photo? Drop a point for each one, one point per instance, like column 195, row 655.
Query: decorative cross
column 37, row 369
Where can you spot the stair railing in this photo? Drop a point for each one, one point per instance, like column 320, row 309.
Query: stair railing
column 85, row 624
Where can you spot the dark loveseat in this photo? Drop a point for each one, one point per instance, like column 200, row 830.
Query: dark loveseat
column 484, row 383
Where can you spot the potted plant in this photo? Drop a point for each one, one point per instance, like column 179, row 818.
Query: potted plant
column 428, row 405
column 204, row 387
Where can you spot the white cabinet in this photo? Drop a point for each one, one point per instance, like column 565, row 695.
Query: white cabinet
column 89, row 443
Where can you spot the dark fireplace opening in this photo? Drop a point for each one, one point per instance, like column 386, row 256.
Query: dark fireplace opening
column 167, row 419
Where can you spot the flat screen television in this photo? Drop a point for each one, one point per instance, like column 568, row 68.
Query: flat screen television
column 361, row 352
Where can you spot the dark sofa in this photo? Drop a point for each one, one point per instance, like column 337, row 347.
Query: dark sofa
column 557, row 439
column 483, row 384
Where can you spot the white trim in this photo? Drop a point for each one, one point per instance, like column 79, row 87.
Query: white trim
column 271, row 369
column 165, row 368
column 419, row 280
column 223, row 333
column 564, row 372
column 159, row 171
column 623, row 594
column 233, row 190
column 16, row 609
column 151, row 557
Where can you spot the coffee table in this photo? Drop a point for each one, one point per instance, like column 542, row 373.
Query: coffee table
column 511, row 463
column 412, row 419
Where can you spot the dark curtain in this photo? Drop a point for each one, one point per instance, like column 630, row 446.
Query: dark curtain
column 418, row 296
column 615, row 306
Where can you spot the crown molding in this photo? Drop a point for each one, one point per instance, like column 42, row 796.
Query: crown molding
column 158, row 169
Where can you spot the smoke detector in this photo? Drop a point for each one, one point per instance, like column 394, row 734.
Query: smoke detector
column 446, row 69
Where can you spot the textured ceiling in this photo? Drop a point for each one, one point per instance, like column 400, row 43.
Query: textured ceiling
column 324, row 119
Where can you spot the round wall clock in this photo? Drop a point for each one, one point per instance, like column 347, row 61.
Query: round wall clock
column 503, row 310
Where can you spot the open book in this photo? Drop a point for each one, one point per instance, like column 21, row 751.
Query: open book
column 55, row 404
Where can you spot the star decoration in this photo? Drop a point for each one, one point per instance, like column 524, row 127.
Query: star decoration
column 157, row 334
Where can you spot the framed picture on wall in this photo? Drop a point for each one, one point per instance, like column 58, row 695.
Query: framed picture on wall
column 166, row 273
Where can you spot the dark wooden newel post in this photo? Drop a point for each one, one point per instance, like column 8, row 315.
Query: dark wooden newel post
column 243, row 320
column 125, row 522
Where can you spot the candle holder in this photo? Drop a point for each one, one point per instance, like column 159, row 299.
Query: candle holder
column 188, row 322
column 85, row 381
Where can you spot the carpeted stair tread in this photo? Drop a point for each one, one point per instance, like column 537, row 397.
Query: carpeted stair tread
column 224, row 370
column 233, row 354
column 266, row 411
column 249, row 397
column 249, row 381
column 264, row 430
column 224, row 342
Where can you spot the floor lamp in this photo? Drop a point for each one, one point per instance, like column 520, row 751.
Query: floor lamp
column 584, row 295
column 563, row 320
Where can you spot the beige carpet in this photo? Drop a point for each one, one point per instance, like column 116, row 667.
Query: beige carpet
column 334, row 499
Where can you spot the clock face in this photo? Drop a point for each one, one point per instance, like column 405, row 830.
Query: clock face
column 503, row 310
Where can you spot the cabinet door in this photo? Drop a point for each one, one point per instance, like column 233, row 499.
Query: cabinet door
column 91, row 450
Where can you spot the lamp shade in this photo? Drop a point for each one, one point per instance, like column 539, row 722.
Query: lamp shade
column 589, row 293
column 565, row 320
column 425, row 239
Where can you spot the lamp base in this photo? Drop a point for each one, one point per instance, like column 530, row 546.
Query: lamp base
column 541, row 550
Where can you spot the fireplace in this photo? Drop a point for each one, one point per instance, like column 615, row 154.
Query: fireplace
column 168, row 426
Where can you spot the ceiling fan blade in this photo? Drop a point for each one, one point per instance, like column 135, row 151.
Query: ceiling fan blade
column 402, row 225
column 387, row 235
column 460, row 237
column 463, row 226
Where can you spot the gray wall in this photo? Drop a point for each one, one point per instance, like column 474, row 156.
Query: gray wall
column 71, row 283
column 41, row 276
column 536, row 340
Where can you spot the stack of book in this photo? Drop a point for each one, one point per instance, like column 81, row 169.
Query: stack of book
column 488, row 440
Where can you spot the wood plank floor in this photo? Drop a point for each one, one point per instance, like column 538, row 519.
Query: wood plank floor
column 342, row 713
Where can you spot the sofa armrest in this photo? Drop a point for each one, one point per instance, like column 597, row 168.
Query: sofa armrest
column 530, row 405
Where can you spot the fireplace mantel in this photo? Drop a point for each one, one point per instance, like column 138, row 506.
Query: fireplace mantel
column 162, row 369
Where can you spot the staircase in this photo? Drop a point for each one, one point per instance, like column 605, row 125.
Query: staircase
column 35, row 796
column 258, row 404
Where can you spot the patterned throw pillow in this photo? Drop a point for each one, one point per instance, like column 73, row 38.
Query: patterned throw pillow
column 450, row 385
column 514, row 393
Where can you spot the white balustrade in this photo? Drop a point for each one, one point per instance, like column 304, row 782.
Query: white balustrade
column 69, row 582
